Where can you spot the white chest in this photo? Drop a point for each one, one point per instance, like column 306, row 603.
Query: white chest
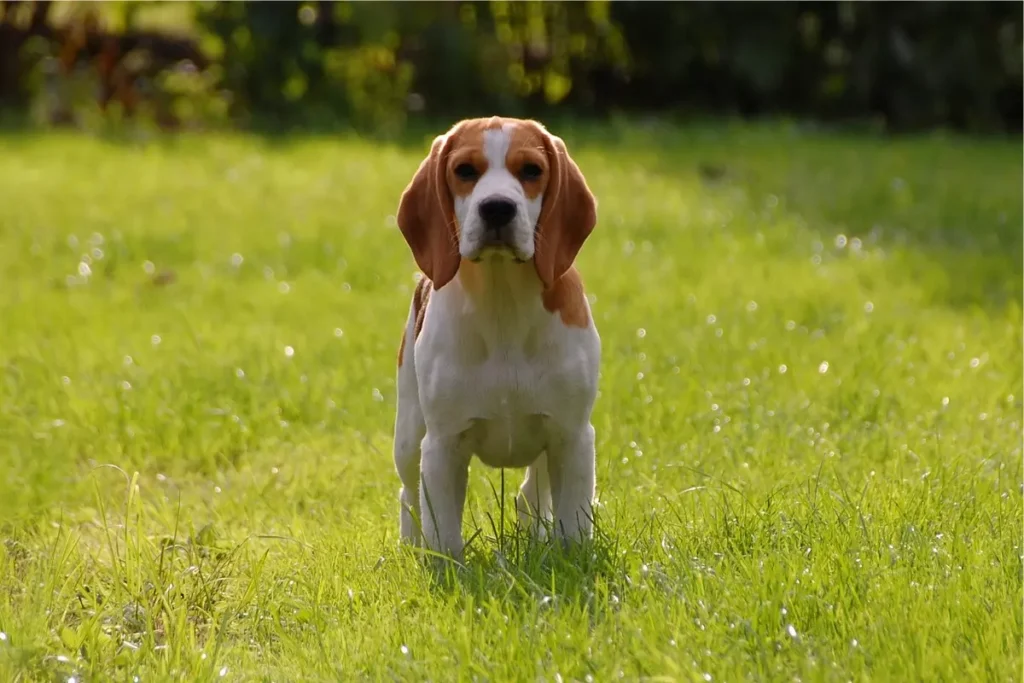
column 500, row 407
column 504, row 379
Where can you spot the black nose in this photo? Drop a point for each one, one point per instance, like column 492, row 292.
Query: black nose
column 497, row 213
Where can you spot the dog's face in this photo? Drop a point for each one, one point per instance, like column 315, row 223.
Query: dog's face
column 496, row 189
column 497, row 177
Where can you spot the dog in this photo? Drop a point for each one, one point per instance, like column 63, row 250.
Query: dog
column 500, row 353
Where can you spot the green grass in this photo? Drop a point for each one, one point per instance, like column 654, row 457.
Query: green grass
column 809, row 427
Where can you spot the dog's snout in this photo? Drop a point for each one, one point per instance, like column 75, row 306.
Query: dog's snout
column 497, row 212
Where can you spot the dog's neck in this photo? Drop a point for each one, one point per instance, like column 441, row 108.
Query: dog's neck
column 504, row 295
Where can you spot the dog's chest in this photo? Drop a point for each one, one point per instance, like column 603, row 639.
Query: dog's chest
column 507, row 441
column 505, row 403
column 508, row 405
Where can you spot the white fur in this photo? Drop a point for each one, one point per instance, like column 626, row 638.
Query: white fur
column 497, row 181
column 495, row 375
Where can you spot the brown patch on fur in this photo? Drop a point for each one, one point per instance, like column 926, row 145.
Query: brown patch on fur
column 468, row 148
column 419, row 303
column 567, row 298
column 471, row 276
column 567, row 217
column 526, row 146
column 426, row 216
column 419, row 310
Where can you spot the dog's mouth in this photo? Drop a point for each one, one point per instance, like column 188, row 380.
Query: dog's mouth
column 497, row 250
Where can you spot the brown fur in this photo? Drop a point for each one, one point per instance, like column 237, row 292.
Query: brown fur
column 567, row 298
column 527, row 146
column 567, row 217
column 419, row 309
column 426, row 216
column 471, row 277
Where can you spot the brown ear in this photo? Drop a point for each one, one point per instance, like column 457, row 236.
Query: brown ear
column 567, row 217
column 426, row 217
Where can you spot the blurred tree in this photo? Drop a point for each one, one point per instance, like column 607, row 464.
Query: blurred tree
column 910, row 65
column 20, row 22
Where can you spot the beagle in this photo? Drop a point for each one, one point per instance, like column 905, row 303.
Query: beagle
column 500, row 354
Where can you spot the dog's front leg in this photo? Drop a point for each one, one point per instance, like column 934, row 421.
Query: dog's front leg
column 444, row 472
column 571, row 467
column 409, row 432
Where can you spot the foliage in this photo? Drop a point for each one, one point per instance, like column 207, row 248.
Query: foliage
column 809, row 428
column 373, row 62
column 375, row 65
column 913, row 65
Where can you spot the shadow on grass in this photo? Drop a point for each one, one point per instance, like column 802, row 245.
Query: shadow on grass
column 528, row 576
column 503, row 560
column 947, row 207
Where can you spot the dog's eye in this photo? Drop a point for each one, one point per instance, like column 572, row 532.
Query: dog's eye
column 465, row 172
column 530, row 172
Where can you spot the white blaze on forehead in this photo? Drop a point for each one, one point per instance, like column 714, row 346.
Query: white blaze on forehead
column 496, row 144
column 497, row 179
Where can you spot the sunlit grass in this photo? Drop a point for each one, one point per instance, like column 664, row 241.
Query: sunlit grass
column 809, row 428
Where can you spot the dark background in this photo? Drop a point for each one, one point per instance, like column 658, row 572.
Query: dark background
column 379, row 67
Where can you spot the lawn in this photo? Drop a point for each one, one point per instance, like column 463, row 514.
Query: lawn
column 809, row 426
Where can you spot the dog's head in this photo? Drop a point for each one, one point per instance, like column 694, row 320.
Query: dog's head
column 496, row 188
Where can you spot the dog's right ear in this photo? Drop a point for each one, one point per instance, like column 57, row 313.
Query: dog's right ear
column 426, row 216
column 567, row 217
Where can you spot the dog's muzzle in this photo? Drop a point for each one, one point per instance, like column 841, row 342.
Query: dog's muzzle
column 498, row 215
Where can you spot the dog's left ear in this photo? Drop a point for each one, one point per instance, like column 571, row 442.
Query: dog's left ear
column 426, row 216
column 567, row 217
